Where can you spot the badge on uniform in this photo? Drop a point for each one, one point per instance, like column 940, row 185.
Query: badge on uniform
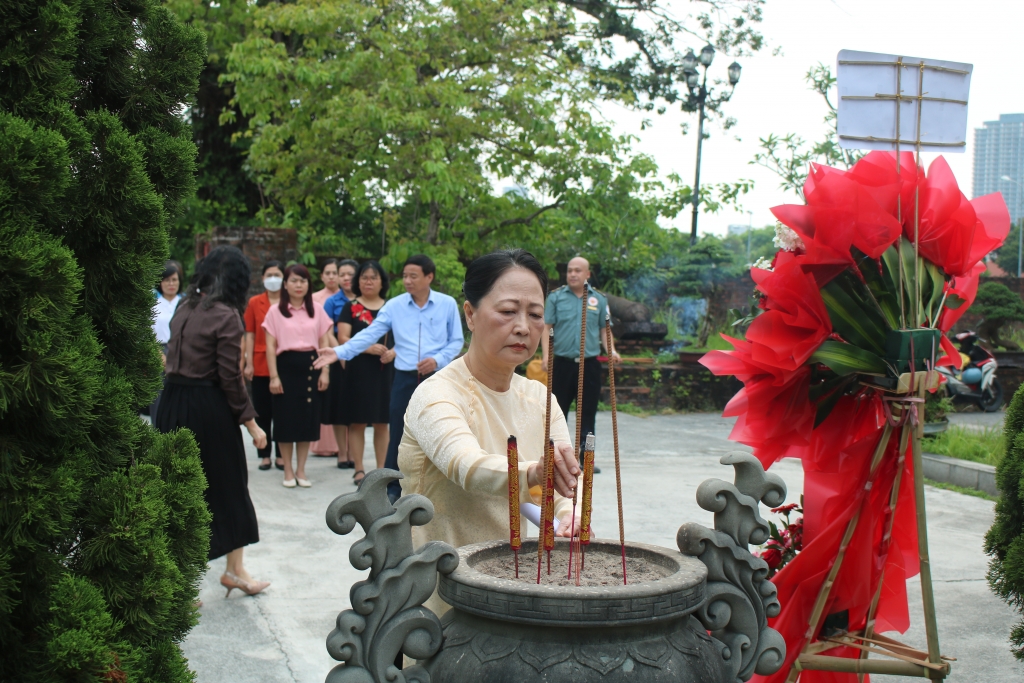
column 592, row 302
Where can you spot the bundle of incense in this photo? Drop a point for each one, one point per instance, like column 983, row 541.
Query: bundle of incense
column 588, row 497
column 546, row 516
column 515, row 535
column 615, row 440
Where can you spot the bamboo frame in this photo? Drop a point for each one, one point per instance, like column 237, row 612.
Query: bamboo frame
column 909, row 662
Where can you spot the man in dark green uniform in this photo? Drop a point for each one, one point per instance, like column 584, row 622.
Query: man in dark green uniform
column 563, row 311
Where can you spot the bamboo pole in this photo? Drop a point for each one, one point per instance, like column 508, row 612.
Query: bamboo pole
column 861, row 666
column 869, row 625
column 615, row 439
column 927, row 596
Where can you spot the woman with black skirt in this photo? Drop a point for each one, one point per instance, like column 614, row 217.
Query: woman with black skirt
column 367, row 396
column 295, row 329
column 205, row 393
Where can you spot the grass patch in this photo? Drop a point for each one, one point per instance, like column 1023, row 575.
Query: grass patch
column 630, row 409
column 977, row 445
column 959, row 489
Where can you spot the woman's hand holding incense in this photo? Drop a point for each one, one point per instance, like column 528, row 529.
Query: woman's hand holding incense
column 567, row 469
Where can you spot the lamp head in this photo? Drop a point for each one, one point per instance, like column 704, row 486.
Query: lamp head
column 707, row 55
column 1007, row 178
column 689, row 60
column 692, row 78
column 734, row 73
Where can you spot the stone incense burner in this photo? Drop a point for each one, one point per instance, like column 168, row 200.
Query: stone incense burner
column 704, row 621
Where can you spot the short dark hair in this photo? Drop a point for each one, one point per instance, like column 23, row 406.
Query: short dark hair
column 222, row 275
column 272, row 264
column 367, row 265
column 421, row 260
column 348, row 262
column 484, row 271
column 328, row 262
column 307, row 301
column 170, row 268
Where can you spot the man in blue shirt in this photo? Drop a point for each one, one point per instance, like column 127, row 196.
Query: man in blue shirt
column 428, row 336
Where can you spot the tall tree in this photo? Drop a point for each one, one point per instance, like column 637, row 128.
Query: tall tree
column 418, row 107
column 103, row 526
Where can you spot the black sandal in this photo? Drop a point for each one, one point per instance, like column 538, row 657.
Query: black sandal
column 265, row 465
column 357, row 473
column 279, row 465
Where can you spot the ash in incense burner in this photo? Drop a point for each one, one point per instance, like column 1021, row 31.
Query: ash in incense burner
column 704, row 620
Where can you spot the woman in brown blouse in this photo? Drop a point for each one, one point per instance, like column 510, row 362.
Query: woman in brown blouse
column 205, row 393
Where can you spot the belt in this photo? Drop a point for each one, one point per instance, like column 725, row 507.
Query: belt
column 190, row 381
column 576, row 359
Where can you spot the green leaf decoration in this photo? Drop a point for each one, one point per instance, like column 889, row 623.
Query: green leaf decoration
column 827, row 393
column 879, row 286
column 954, row 302
column 846, row 359
column 854, row 316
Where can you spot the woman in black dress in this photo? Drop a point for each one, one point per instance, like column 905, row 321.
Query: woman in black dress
column 205, row 393
column 367, row 396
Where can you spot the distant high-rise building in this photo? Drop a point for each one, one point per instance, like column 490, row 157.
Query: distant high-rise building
column 998, row 152
column 738, row 229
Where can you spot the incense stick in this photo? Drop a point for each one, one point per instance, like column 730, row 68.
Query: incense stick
column 546, row 516
column 514, row 520
column 615, row 439
column 588, row 499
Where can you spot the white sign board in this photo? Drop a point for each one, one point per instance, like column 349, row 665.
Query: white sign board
column 885, row 98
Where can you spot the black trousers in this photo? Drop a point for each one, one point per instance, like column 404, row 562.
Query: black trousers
column 564, row 385
column 261, row 401
column 402, row 388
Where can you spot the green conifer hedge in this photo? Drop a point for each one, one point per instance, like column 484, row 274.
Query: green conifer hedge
column 103, row 526
column 1005, row 540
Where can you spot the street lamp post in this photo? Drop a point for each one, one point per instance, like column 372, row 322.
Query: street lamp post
column 1020, row 230
column 699, row 96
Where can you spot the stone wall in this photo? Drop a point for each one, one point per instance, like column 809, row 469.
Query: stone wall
column 259, row 244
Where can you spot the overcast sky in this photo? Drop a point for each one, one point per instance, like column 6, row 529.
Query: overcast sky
column 772, row 96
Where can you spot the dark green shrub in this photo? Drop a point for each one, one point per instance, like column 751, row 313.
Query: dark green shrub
column 103, row 527
column 1005, row 540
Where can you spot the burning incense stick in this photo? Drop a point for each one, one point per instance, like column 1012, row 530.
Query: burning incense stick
column 588, row 497
column 615, row 439
column 546, row 517
column 515, row 536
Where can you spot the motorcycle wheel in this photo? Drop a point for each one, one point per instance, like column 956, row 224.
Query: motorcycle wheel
column 992, row 400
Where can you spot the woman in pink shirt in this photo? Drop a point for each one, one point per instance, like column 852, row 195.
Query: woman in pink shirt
column 295, row 329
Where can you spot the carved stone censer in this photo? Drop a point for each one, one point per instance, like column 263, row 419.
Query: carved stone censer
column 705, row 621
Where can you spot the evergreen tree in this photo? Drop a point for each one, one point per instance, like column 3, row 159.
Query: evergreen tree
column 1005, row 540
column 103, row 526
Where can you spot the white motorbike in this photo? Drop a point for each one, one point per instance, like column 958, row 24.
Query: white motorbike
column 976, row 381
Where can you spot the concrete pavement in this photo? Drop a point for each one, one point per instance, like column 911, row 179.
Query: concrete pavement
column 279, row 636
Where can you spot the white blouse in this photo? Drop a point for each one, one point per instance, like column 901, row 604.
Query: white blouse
column 164, row 312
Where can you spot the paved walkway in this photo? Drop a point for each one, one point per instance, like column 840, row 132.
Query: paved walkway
column 279, row 636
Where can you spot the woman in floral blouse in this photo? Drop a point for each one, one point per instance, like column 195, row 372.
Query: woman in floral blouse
column 367, row 395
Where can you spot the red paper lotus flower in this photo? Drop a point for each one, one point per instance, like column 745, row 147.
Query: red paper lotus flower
column 772, row 557
column 954, row 233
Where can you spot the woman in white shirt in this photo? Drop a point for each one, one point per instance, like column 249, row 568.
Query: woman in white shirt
column 167, row 299
column 453, row 450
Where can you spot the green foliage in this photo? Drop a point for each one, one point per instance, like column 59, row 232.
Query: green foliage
column 1004, row 542
column 997, row 305
column 762, row 246
column 1007, row 256
column 986, row 446
column 104, row 524
column 789, row 156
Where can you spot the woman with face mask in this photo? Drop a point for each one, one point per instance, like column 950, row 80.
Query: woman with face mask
column 256, row 370
column 295, row 329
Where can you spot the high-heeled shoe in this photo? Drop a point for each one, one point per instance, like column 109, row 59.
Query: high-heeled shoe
column 231, row 582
